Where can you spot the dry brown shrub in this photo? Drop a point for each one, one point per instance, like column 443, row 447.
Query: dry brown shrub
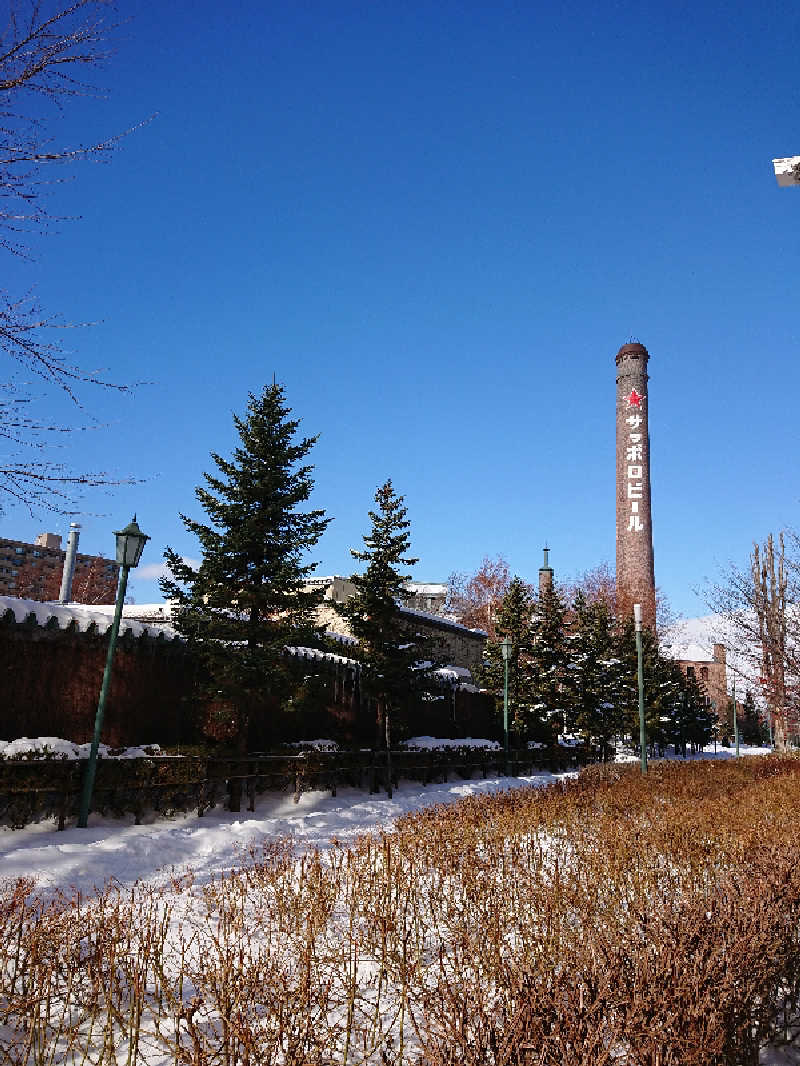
column 613, row 918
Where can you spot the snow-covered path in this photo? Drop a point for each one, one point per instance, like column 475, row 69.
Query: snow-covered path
column 115, row 848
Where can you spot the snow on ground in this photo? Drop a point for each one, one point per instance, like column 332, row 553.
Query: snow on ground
column 213, row 843
column 709, row 752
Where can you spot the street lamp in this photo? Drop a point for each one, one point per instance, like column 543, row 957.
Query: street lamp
column 130, row 545
column 505, row 648
column 637, row 617
column 735, row 719
column 787, row 170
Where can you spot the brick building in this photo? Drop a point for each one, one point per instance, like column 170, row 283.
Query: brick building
column 33, row 572
column 710, row 672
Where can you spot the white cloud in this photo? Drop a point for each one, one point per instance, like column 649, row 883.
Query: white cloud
column 152, row 571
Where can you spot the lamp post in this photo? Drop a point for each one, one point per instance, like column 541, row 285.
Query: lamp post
column 735, row 720
column 637, row 617
column 130, row 545
column 787, row 170
column 505, row 647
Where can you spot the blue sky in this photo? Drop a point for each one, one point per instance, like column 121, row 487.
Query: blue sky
column 436, row 224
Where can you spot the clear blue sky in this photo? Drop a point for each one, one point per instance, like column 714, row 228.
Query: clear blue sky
column 436, row 224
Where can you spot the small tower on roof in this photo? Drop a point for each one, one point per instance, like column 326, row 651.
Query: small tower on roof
column 545, row 575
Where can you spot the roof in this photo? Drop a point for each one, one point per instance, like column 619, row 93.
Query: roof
column 445, row 623
column 694, row 653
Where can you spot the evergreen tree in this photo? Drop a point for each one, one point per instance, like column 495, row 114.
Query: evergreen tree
column 389, row 649
column 628, row 687
column 703, row 720
column 514, row 621
column 687, row 718
column 548, row 661
column 595, row 707
column 246, row 602
column 752, row 730
column 676, row 710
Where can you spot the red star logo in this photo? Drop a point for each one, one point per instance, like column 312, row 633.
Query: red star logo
column 635, row 400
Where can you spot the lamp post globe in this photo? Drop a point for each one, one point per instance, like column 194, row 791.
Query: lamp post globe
column 130, row 544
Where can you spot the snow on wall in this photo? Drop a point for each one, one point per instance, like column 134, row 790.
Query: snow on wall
column 82, row 614
column 448, row 622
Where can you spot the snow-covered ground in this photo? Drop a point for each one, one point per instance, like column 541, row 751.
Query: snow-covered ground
column 114, row 848
column 212, row 844
column 153, row 853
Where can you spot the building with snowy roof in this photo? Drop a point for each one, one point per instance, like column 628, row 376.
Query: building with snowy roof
column 459, row 645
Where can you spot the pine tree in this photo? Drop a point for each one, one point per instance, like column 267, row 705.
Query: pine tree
column 751, row 728
column 514, row 621
column 595, row 708
column 628, row 687
column 246, row 602
column 685, row 718
column 702, row 720
column 548, row 662
column 389, row 649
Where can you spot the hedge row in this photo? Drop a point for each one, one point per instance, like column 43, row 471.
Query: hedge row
column 31, row 790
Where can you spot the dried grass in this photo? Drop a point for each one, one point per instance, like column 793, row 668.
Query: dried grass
column 611, row 919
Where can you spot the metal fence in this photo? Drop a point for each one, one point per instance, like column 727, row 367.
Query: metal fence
column 35, row 789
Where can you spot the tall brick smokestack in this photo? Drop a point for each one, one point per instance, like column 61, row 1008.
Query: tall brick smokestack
column 635, row 571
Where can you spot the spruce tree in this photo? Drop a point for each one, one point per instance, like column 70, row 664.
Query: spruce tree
column 702, row 719
column 751, row 727
column 389, row 650
column 549, row 658
column 595, row 708
column 247, row 602
column 514, row 621
column 628, row 686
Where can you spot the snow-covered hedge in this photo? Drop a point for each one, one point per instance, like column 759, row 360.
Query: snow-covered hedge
column 56, row 748
column 442, row 744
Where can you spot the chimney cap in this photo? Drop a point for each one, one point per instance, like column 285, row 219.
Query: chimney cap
column 632, row 348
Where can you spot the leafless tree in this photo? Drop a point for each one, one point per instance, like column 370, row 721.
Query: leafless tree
column 474, row 599
column 48, row 53
column 760, row 606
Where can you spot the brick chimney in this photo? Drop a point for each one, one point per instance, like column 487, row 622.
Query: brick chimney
column 635, row 570
column 545, row 575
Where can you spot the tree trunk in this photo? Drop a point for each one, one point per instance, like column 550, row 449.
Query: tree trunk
column 770, row 605
column 380, row 726
column 387, row 718
column 240, row 749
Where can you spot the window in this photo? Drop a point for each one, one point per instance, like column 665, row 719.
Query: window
column 704, row 672
column 690, row 671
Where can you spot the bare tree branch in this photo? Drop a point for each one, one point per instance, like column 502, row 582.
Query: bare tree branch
column 761, row 609
column 47, row 53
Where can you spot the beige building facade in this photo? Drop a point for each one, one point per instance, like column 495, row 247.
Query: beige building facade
column 458, row 645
